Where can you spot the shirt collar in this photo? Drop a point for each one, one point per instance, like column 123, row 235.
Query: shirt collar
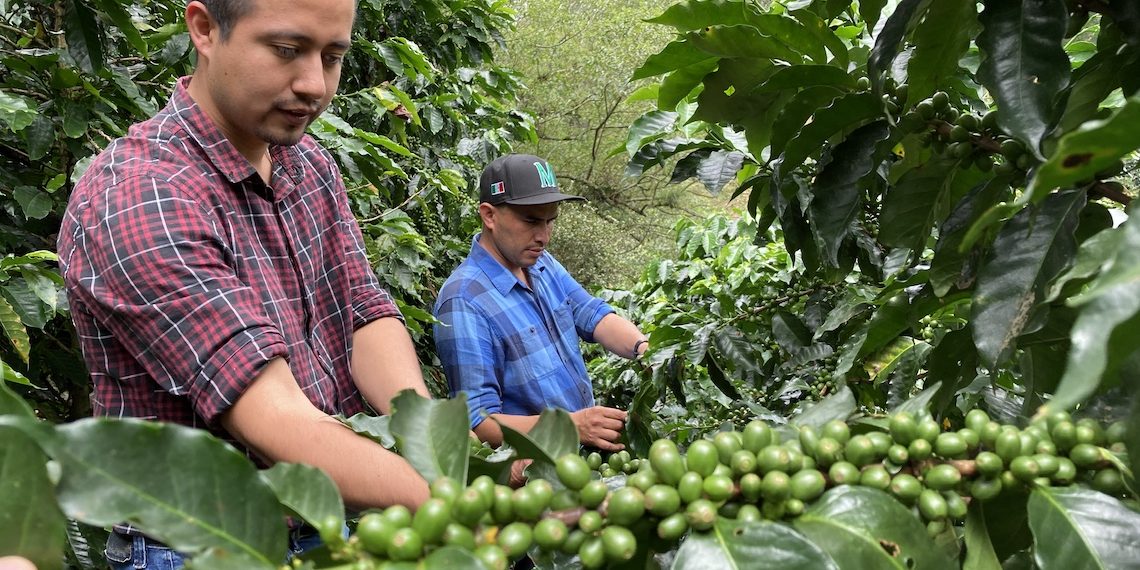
column 502, row 279
column 222, row 154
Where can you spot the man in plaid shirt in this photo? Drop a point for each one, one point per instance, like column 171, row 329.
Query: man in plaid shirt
column 511, row 317
column 215, row 272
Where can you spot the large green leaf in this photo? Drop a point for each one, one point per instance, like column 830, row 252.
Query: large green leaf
column 648, row 128
column 16, row 111
column 796, row 112
column 1025, row 65
column 979, row 548
column 177, row 484
column 1030, row 251
column 552, row 437
column 920, row 199
column 818, row 30
column 847, row 112
column 681, row 82
column 869, row 12
column 19, row 294
column 719, row 169
column 889, row 40
column 308, row 492
column 737, row 349
column 807, row 75
column 790, row 332
column 12, row 404
column 951, row 266
column 938, row 45
column 14, row 329
column 865, row 528
column 115, row 11
column 1092, row 83
column 728, row 98
column 838, row 406
column 1091, row 257
column 84, row 35
column 1106, row 330
column 762, row 544
column 952, row 365
column 696, row 14
column 1089, row 149
column 32, row 522
column 451, row 558
column 838, row 196
column 376, row 428
column 717, row 377
column 742, row 42
column 215, row 559
column 432, row 434
column 903, row 349
column 675, row 55
column 1079, row 528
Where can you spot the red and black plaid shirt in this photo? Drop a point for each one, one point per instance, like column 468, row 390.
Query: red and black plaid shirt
column 186, row 274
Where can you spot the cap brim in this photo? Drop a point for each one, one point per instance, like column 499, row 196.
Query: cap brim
column 547, row 198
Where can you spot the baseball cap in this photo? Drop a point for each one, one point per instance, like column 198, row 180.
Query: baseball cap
column 520, row 179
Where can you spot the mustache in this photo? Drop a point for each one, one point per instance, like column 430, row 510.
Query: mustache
column 312, row 108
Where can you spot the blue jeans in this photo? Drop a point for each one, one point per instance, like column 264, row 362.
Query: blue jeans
column 141, row 553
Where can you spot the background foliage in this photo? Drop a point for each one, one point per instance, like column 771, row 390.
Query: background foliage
column 576, row 60
column 411, row 127
column 952, row 182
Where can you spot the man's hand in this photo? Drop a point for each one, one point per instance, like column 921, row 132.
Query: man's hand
column 518, row 478
column 600, row 427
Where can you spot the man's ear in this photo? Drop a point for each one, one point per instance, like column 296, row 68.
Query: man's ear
column 487, row 214
column 203, row 31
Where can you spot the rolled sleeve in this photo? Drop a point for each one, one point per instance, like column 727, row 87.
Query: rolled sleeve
column 463, row 342
column 231, row 368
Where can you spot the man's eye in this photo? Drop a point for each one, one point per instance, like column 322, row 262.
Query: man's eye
column 286, row 51
column 334, row 59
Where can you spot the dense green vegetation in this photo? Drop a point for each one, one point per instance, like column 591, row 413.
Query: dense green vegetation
column 576, row 61
column 918, row 349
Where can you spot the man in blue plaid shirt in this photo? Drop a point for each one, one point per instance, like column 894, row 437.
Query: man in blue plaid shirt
column 511, row 317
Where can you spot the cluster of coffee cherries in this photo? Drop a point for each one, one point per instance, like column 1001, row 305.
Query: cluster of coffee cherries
column 759, row 472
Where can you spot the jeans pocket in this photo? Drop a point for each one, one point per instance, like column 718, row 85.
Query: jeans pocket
column 118, row 548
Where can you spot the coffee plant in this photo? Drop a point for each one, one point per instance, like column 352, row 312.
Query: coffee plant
column 958, row 173
column 834, row 489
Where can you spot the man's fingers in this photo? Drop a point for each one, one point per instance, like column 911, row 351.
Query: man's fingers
column 600, row 441
column 612, row 413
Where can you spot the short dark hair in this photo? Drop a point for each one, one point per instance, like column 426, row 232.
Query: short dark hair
column 226, row 13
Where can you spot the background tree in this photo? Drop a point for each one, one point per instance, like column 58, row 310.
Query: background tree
column 966, row 172
column 576, row 60
column 410, row 129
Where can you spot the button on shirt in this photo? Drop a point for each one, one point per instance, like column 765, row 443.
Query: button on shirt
column 186, row 274
column 511, row 348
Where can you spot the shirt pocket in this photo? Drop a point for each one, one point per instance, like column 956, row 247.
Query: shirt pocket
column 564, row 319
column 539, row 357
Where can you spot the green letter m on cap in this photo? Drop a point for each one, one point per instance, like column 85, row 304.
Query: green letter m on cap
column 545, row 175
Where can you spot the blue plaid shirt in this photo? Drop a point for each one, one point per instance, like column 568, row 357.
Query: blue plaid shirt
column 514, row 349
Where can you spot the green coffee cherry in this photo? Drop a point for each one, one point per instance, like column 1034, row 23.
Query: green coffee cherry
column 702, row 457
